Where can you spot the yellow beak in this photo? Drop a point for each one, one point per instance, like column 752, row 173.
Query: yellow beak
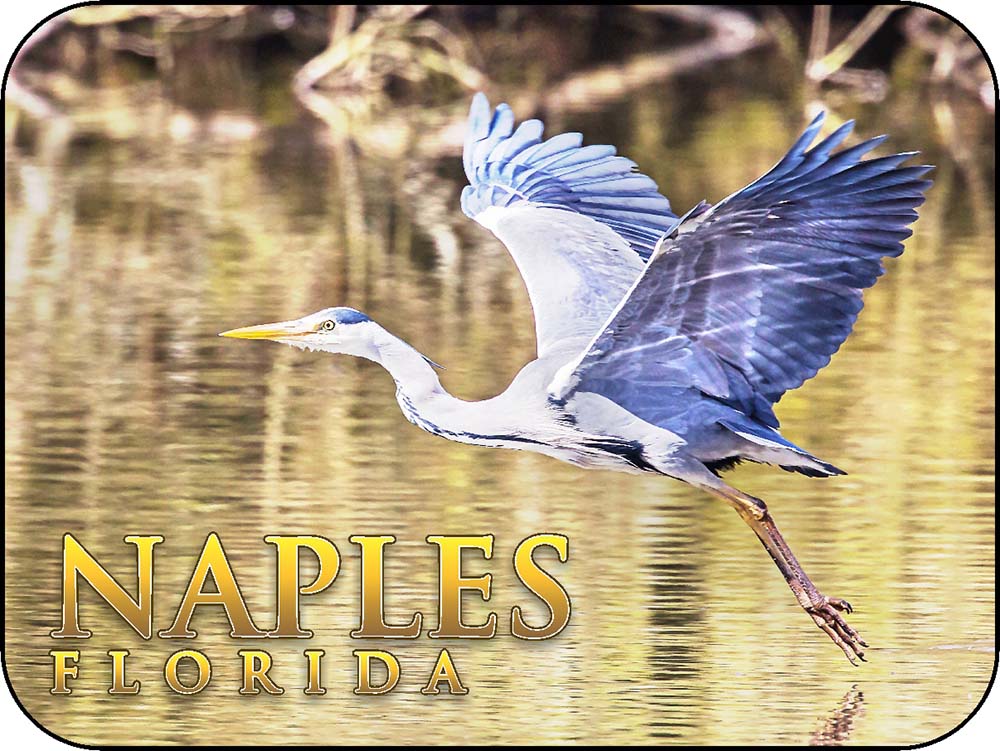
column 282, row 330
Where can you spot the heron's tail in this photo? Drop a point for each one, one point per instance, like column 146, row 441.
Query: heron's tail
column 770, row 447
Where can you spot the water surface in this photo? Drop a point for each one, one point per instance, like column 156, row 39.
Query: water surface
column 129, row 248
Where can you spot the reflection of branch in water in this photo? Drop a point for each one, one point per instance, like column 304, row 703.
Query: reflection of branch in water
column 432, row 202
column 731, row 33
column 957, row 58
column 389, row 41
column 32, row 102
column 965, row 156
column 840, row 724
column 830, row 65
column 822, row 63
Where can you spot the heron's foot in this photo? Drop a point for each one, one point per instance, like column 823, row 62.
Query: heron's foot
column 828, row 615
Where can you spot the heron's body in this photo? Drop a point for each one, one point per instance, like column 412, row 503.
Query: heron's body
column 663, row 342
column 562, row 431
column 588, row 430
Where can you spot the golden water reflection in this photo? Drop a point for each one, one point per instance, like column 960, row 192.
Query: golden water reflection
column 128, row 251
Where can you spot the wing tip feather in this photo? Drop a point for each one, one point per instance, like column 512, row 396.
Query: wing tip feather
column 560, row 171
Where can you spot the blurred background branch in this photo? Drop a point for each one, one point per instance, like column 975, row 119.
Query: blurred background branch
column 824, row 64
column 957, row 58
column 368, row 57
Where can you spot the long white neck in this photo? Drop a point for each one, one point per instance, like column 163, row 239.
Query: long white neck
column 426, row 403
column 411, row 371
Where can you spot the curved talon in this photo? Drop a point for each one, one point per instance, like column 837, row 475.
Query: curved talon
column 827, row 615
column 840, row 604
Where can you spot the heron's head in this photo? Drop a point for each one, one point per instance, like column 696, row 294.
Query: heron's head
column 338, row 330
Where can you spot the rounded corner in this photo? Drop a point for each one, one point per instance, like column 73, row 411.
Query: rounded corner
column 31, row 32
column 31, row 718
column 973, row 712
column 968, row 32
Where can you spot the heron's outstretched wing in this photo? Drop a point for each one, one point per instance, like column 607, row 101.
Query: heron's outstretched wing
column 578, row 221
column 750, row 298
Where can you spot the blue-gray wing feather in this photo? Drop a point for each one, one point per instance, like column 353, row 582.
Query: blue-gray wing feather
column 579, row 222
column 507, row 166
column 750, row 298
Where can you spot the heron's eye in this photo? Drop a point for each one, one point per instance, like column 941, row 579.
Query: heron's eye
column 328, row 325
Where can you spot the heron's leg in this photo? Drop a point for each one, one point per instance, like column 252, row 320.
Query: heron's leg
column 825, row 611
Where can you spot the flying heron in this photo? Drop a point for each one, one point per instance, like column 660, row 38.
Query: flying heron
column 663, row 342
